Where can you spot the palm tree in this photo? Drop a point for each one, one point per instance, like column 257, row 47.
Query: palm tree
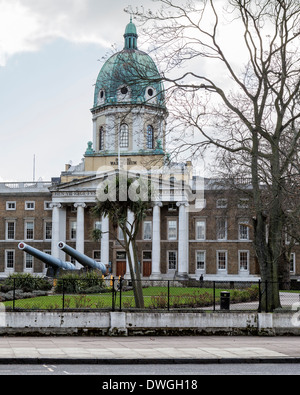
column 126, row 214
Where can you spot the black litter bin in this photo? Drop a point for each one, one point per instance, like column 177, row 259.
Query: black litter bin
column 225, row 300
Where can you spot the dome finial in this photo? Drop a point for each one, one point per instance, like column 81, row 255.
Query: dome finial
column 130, row 35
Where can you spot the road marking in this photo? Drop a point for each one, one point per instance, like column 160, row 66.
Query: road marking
column 49, row 369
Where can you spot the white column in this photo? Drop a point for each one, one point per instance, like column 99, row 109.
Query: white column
column 105, row 241
column 55, row 229
column 80, row 229
column 183, row 240
column 58, row 229
column 156, row 273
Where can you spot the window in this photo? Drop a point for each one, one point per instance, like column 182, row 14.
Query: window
column 147, row 255
column 120, row 234
column 200, row 230
column 47, row 206
column 124, row 136
column 97, row 256
column 221, row 228
column 244, row 260
column 243, row 203
column 151, row 95
column 9, row 259
column 10, row 205
column 29, row 230
column 121, row 255
column 124, row 93
column 29, row 205
column 147, row 230
column 124, row 90
column 28, row 261
column 172, row 230
column 221, row 203
column 10, row 230
column 222, row 260
column 73, row 230
column 101, row 96
column 172, row 260
column 150, row 92
column 98, row 227
column 292, row 262
column 150, row 137
column 243, row 230
column 48, row 230
column 200, row 260
column 101, row 139
column 288, row 234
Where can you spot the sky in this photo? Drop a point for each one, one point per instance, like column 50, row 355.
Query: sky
column 50, row 55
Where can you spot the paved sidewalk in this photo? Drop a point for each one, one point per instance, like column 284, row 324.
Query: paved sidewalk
column 187, row 349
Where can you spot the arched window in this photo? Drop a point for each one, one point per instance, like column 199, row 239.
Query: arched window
column 150, row 137
column 124, row 136
column 101, row 139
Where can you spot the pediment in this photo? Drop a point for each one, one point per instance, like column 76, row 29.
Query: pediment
column 82, row 184
column 86, row 188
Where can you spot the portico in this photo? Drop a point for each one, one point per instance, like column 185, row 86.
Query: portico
column 78, row 196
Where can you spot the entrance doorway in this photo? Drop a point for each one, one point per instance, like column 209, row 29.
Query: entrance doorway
column 147, row 263
column 120, row 263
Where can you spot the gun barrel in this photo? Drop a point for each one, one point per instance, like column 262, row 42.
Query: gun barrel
column 81, row 258
column 46, row 258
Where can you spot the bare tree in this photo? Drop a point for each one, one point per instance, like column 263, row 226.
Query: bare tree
column 245, row 104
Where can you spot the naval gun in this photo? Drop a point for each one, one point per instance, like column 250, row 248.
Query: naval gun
column 82, row 259
column 55, row 263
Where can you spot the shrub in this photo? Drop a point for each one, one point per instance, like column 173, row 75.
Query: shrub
column 74, row 283
column 25, row 281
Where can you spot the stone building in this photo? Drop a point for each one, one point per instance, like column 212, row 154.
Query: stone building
column 129, row 125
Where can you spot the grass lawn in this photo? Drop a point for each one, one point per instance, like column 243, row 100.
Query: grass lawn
column 154, row 297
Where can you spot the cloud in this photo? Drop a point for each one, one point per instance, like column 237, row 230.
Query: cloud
column 26, row 25
column 17, row 25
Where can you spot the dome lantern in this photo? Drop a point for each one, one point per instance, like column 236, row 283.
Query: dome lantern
column 130, row 36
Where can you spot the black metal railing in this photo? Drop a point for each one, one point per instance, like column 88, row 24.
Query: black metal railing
column 117, row 294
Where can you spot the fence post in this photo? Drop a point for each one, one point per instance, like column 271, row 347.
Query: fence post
column 113, row 294
column 259, row 296
column 63, row 294
column 214, row 291
column 121, row 293
column 168, row 295
column 14, row 294
column 266, row 291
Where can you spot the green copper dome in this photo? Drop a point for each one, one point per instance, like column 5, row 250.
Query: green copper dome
column 129, row 77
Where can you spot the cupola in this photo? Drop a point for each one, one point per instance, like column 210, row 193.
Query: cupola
column 130, row 36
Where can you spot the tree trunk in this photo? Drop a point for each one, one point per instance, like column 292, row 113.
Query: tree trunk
column 134, row 273
column 138, row 281
column 267, row 247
